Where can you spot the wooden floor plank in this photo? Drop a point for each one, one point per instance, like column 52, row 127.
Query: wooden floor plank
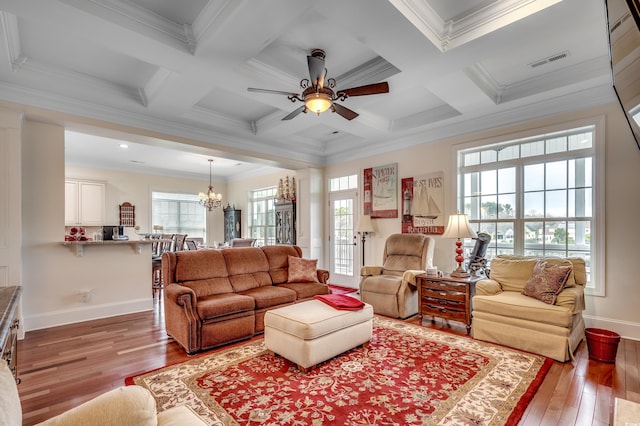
column 62, row 367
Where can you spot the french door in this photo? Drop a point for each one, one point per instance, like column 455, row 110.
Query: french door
column 344, row 258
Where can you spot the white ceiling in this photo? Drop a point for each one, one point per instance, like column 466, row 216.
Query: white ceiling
column 182, row 69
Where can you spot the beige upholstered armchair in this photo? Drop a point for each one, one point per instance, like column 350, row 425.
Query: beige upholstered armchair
column 391, row 288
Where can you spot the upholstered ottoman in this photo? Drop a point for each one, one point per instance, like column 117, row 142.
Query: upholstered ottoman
column 311, row 332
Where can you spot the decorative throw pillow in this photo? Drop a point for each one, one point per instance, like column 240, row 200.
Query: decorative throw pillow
column 302, row 270
column 546, row 281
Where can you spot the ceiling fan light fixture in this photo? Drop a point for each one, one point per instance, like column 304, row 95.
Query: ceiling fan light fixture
column 317, row 102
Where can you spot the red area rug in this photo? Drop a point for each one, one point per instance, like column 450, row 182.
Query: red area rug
column 338, row 289
column 409, row 375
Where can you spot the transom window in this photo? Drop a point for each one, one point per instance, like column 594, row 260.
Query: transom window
column 534, row 196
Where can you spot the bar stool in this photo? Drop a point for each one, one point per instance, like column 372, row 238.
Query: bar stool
column 163, row 245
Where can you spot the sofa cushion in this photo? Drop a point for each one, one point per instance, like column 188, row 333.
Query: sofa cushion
column 218, row 305
column 546, row 281
column 513, row 272
column 269, row 296
column 209, row 286
column 383, row 284
column 199, row 265
column 179, row 416
column 125, row 406
column 402, row 252
column 10, row 409
column 302, row 270
column 248, row 268
column 307, row 290
column 278, row 258
column 516, row 305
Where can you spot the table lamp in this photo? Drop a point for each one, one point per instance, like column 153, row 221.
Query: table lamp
column 458, row 227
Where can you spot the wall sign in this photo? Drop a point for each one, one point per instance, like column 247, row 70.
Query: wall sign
column 423, row 204
column 381, row 191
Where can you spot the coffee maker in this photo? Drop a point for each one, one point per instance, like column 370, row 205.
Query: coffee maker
column 114, row 232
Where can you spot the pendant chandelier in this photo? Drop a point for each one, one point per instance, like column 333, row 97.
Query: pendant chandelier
column 210, row 199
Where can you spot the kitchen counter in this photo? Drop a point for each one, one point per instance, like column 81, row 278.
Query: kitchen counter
column 77, row 247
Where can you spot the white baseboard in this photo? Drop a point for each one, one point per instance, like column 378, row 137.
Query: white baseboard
column 626, row 329
column 92, row 312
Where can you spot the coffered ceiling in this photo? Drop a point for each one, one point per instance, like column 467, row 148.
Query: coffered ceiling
column 182, row 69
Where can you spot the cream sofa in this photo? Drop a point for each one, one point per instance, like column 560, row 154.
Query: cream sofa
column 503, row 315
column 123, row 406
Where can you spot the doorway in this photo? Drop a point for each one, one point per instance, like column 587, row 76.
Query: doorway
column 344, row 258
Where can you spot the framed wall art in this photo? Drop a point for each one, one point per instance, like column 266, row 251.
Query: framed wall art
column 384, row 191
column 423, row 204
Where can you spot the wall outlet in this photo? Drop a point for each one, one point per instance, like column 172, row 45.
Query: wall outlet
column 85, row 295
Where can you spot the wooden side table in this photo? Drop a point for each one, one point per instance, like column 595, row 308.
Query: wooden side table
column 446, row 297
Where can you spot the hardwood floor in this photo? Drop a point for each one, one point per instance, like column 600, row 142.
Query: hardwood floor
column 64, row 366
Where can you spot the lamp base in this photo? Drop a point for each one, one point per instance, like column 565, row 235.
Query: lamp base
column 460, row 272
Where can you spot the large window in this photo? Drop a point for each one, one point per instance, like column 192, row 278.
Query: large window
column 179, row 214
column 535, row 196
column 261, row 223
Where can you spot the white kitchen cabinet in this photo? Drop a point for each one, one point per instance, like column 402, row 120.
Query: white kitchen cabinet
column 84, row 202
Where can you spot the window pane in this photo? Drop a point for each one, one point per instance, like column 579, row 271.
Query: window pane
column 509, row 153
column 507, row 180
column 471, row 159
column 556, row 204
column 489, row 207
column 472, row 207
column 489, row 182
column 472, row 182
column 533, row 204
column 556, row 145
column 581, row 141
column 506, row 206
column 532, row 149
column 534, row 235
column 580, row 203
column 489, row 156
column 534, row 177
column 556, row 175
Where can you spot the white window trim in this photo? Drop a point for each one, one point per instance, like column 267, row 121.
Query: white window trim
column 598, row 242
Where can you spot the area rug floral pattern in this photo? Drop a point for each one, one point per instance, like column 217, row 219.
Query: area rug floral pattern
column 408, row 375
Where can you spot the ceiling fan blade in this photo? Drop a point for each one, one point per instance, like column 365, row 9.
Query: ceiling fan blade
column 275, row 92
column 317, row 70
column 294, row 113
column 369, row 89
column 344, row 111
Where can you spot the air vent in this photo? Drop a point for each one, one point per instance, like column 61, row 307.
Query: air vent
column 550, row 59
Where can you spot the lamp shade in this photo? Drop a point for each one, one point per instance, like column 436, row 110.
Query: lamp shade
column 459, row 227
column 365, row 225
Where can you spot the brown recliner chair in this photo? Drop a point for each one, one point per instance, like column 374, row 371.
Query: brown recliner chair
column 391, row 288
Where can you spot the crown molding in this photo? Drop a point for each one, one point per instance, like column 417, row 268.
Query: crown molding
column 446, row 35
column 500, row 93
column 132, row 16
column 375, row 70
column 11, row 32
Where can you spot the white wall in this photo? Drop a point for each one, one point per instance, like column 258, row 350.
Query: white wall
column 617, row 310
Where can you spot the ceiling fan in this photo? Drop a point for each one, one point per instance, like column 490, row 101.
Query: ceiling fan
column 318, row 94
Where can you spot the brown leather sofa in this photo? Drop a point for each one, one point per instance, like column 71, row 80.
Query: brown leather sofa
column 214, row 297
